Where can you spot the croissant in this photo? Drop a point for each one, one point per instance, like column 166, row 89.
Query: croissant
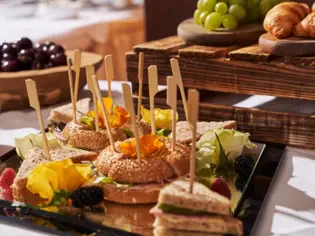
column 306, row 28
column 281, row 20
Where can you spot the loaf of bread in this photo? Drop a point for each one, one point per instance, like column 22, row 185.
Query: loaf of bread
column 281, row 20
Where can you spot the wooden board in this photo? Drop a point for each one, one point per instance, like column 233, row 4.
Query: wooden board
column 52, row 83
column 193, row 33
column 263, row 125
column 251, row 53
column 206, row 52
column 287, row 47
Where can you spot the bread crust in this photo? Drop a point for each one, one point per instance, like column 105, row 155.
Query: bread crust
column 281, row 20
column 161, row 165
column 306, row 28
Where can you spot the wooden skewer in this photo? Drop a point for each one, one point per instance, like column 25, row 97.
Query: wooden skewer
column 129, row 106
column 77, row 65
column 109, row 73
column 172, row 102
column 178, row 77
column 193, row 110
column 71, row 87
column 34, row 103
column 153, row 89
column 140, row 77
column 100, row 100
column 90, row 71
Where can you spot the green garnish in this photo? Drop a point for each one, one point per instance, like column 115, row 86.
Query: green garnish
column 88, row 120
column 164, row 132
column 107, row 180
column 179, row 210
column 60, row 198
column 128, row 132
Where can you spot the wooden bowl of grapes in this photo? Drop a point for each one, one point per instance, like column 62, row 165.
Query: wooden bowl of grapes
column 46, row 65
column 225, row 23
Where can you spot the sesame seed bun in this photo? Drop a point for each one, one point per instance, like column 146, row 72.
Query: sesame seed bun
column 147, row 174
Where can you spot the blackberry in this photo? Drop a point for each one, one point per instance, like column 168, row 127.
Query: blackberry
column 240, row 184
column 244, row 165
column 87, row 196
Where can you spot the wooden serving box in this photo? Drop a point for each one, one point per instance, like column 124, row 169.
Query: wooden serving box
column 237, row 70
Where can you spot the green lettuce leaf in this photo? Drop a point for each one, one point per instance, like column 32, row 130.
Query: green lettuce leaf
column 164, row 132
column 23, row 145
column 87, row 120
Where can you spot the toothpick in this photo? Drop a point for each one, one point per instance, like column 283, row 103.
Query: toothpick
column 129, row 106
column 34, row 103
column 178, row 77
column 172, row 102
column 71, row 87
column 153, row 89
column 193, row 111
column 140, row 77
column 100, row 100
column 90, row 71
column 109, row 73
column 77, row 65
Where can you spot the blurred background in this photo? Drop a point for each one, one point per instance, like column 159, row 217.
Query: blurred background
column 100, row 26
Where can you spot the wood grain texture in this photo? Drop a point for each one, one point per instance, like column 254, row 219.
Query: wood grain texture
column 251, row 53
column 199, row 51
column 193, row 33
column 273, row 78
column 292, row 46
column 264, row 126
column 300, row 61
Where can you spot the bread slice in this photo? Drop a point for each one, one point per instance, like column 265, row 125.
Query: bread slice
column 204, row 223
column 183, row 133
column 202, row 199
column 36, row 156
column 162, row 231
column 64, row 114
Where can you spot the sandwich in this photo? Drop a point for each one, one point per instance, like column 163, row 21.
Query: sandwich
column 83, row 134
column 36, row 156
column 202, row 212
column 60, row 116
column 183, row 132
column 129, row 180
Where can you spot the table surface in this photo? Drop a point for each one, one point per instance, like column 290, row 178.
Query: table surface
column 289, row 205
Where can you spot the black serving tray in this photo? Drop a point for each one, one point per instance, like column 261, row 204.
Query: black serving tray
column 133, row 218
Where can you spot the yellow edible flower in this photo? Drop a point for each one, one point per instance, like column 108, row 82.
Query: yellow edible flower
column 163, row 118
column 149, row 144
column 50, row 177
column 117, row 115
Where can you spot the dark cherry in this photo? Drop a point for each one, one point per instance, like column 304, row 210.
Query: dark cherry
column 24, row 43
column 58, row 59
column 9, row 48
column 9, row 66
column 55, row 49
column 8, row 57
column 40, row 47
column 49, row 44
column 42, row 57
column 38, row 65
column 26, row 55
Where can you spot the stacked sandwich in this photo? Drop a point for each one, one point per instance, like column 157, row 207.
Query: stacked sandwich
column 202, row 212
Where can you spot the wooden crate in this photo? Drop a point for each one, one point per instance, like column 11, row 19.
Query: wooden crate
column 237, row 70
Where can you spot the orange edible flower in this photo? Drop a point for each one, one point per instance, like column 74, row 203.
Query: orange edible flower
column 149, row 144
column 117, row 115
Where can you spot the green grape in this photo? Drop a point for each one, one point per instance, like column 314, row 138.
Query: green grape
column 203, row 17
column 197, row 16
column 229, row 22
column 213, row 21
column 221, row 8
column 274, row 2
column 199, row 4
column 208, row 5
column 264, row 7
column 252, row 3
column 223, row 1
column 238, row 12
column 237, row 2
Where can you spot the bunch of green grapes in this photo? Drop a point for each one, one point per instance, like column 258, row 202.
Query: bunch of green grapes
column 213, row 14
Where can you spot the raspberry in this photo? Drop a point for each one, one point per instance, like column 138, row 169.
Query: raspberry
column 220, row 186
column 7, row 194
column 7, row 178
